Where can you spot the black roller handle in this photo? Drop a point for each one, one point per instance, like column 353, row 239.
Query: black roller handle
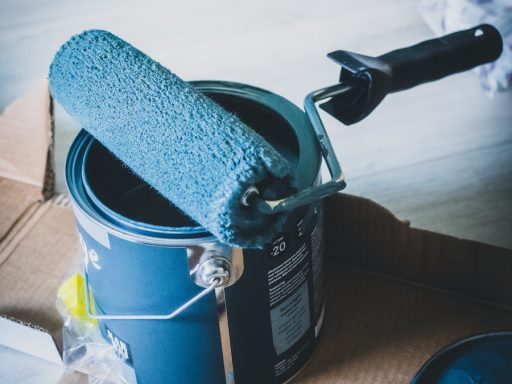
column 374, row 77
column 434, row 59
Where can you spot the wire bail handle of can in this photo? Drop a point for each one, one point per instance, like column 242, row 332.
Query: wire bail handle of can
column 214, row 270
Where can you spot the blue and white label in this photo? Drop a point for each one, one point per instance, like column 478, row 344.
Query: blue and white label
column 122, row 349
column 90, row 254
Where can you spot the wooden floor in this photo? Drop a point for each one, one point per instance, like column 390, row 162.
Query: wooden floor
column 439, row 155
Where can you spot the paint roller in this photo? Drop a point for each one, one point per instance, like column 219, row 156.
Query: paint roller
column 200, row 157
column 205, row 160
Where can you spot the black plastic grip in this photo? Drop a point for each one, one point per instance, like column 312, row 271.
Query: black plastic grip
column 370, row 79
column 434, row 59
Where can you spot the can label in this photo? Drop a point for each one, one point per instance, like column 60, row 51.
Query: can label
column 121, row 348
column 290, row 318
column 275, row 310
column 296, row 278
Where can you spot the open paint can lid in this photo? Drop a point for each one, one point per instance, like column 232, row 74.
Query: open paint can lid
column 480, row 359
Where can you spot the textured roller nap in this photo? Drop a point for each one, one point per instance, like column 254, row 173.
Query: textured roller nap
column 187, row 147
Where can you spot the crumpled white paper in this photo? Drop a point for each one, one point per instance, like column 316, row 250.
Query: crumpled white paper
column 447, row 16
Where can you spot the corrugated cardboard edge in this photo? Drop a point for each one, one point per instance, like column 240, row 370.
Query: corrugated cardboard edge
column 365, row 235
column 23, row 226
column 26, row 159
column 17, row 225
column 49, row 173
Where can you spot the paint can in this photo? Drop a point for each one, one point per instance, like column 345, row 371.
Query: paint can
column 144, row 259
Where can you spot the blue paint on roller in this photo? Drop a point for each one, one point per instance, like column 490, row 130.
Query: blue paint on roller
column 192, row 151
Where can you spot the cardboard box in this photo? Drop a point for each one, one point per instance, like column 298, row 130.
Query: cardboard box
column 395, row 294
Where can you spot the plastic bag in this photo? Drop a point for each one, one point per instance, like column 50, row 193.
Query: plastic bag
column 84, row 349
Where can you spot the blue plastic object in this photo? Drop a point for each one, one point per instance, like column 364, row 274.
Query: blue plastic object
column 480, row 359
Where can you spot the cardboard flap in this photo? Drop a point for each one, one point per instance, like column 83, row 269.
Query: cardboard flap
column 26, row 169
column 36, row 262
column 365, row 235
column 26, row 137
column 381, row 331
column 17, row 202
